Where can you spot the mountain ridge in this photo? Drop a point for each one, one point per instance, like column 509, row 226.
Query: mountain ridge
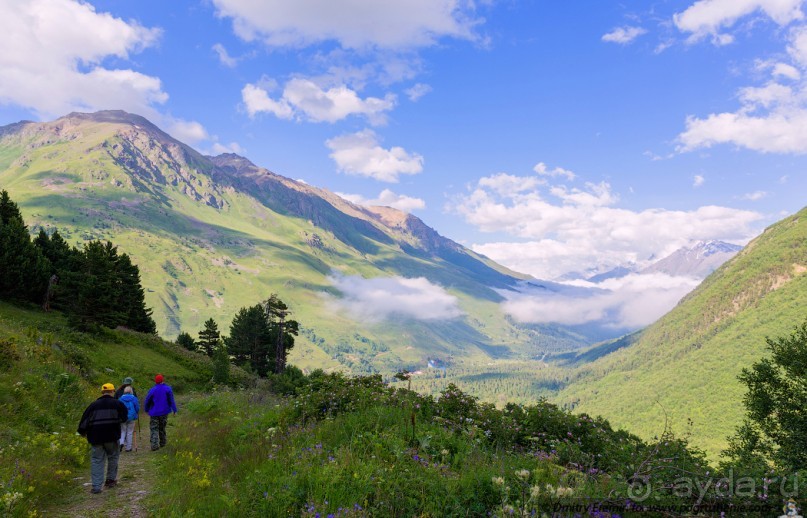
column 213, row 234
column 685, row 365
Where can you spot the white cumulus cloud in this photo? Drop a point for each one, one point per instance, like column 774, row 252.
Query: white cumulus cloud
column 417, row 91
column 358, row 24
column 306, row 100
column 557, row 229
column 754, row 196
column 698, row 180
column 189, row 132
column 771, row 118
column 51, row 55
column 387, row 198
column 361, row 154
column 623, row 35
column 385, row 298
column 224, row 57
column 542, row 169
column 709, row 17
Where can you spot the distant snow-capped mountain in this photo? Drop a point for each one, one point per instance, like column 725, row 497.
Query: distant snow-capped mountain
column 698, row 260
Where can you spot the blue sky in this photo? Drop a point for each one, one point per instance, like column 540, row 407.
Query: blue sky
column 551, row 136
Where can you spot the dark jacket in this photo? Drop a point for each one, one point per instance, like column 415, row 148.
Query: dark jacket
column 101, row 421
column 119, row 392
column 160, row 400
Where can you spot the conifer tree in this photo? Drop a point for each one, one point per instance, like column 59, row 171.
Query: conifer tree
column 221, row 365
column 250, row 341
column 90, row 285
column 186, row 340
column 209, row 337
column 55, row 249
column 131, row 297
column 282, row 329
column 104, row 289
column 23, row 268
column 262, row 335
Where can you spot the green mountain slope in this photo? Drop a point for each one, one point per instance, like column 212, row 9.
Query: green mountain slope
column 685, row 366
column 214, row 234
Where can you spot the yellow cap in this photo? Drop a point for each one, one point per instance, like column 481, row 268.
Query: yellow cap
column 107, row 387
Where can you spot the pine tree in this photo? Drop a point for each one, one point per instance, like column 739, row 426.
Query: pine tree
column 23, row 269
column 55, row 249
column 8, row 209
column 250, row 341
column 209, row 337
column 61, row 256
column 90, row 285
column 131, row 297
column 283, row 330
column 186, row 340
column 221, row 365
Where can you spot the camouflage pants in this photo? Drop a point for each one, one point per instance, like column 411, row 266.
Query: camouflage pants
column 157, row 428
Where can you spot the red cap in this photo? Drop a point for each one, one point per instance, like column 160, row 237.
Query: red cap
column 158, row 378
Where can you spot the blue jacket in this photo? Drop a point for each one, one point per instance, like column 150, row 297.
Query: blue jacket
column 132, row 405
column 160, row 400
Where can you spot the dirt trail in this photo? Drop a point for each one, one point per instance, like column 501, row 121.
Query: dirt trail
column 137, row 474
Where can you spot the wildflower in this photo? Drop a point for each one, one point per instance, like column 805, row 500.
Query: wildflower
column 523, row 474
column 564, row 491
column 498, row 481
column 535, row 491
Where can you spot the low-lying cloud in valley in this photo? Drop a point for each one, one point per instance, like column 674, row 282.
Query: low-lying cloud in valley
column 385, row 298
column 626, row 303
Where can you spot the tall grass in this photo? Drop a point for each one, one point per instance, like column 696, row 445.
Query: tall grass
column 48, row 375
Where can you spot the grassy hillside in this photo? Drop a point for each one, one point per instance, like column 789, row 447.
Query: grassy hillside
column 685, row 366
column 212, row 235
column 48, row 375
column 322, row 444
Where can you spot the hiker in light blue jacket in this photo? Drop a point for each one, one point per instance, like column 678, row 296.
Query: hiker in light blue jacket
column 127, row 428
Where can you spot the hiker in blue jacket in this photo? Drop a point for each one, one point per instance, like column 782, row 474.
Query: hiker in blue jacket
column 133, row 409
column 159, row 403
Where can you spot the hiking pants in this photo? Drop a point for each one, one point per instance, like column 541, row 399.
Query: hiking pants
column 102, row 456
column 157, row 428
column 126, row 431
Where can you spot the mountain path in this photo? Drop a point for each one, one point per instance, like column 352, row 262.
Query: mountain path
column 137, row 475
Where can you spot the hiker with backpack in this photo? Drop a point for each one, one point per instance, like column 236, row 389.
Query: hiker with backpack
column 133, row 409
column 159, row 403
column 101, row 425
column 127, row 382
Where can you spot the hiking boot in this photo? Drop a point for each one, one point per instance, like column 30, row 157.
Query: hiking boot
column 95, row 490
column 111, row 483
column 121, row 447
